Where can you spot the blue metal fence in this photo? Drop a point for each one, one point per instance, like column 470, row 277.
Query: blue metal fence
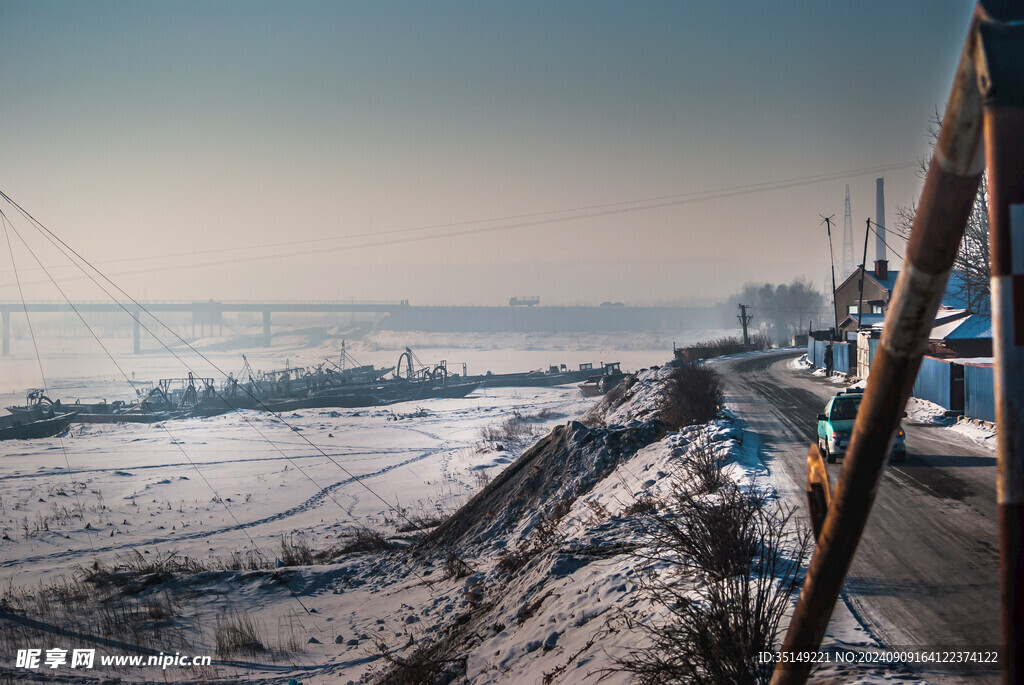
column 979, row 392
column 841, row 357
column 933, row 382
column 938, row 381
column 819, row 354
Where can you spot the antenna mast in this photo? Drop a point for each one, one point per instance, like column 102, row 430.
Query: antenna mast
column 847, row 238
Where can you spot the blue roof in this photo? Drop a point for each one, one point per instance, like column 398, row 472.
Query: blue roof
column 889, row 283
column 973, row 327
column 956, row 296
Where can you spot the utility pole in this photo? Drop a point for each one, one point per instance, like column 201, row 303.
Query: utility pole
column 827, row 220
column 744, row 320
column 863, row 268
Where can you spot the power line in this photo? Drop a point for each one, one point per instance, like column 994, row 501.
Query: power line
column 874, row 228
column 66, row 249
column 161, row 425
column 518, row 221
column 39, row 360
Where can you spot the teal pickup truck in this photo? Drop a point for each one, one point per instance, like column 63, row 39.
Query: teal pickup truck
column 836, row 425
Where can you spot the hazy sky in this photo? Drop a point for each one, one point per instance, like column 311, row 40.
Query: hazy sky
column 459, row 152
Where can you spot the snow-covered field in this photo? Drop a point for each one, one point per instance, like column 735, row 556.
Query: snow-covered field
column 233, row 485
column 205, row 486
column 216, row 489
column 210, row 487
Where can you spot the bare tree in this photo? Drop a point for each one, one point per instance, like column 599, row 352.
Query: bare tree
column 788, row 308
column 970, row 277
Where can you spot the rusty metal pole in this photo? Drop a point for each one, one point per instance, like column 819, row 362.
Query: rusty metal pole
column 1001, row 78
column 946, row 199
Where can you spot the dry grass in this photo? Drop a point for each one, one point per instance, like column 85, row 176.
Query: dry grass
column 366, row 540
column 127, row 604
column 137, row 605
column 238, row 633
column 516, row 428
column 295, row 551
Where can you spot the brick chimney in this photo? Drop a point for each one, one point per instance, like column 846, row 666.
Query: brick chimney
column 882, row 269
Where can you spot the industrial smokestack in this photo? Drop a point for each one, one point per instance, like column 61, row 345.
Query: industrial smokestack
column 881, row 254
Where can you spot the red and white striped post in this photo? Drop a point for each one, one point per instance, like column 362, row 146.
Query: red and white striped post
column 1001, row 79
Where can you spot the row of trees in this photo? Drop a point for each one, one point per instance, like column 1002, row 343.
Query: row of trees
column 782, row 310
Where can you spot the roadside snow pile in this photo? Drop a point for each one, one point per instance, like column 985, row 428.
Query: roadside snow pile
column 617, row 552
column 801, row 362
column 636, row 398
column 981, row 433
column 926, row 413
column 561, row 548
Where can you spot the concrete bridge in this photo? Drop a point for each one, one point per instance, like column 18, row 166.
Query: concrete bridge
column 203, row 312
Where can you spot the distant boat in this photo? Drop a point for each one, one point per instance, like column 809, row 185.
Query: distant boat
column 555, row 375
column 376, row 395
column 40, row 406
column 27, row 426
column 601, row 383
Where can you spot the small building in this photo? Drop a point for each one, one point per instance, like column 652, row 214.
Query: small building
column 959, row 330
column 968, row 335
column 853, row 306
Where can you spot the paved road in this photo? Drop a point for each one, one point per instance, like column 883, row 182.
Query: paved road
column 926, row 571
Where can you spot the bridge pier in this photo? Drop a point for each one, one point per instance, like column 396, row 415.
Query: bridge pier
column 266, row 328
column 7, row 333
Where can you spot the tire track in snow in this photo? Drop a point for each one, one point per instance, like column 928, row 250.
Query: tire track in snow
column 310, row 503
column 62, row 471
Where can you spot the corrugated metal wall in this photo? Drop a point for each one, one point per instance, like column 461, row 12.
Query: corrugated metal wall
column 841, row 357
column 933, row 382
column 819, row 354
column 979, row 392
column 938, row 381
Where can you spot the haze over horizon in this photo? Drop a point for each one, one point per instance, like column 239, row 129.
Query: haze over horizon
column 459, row 152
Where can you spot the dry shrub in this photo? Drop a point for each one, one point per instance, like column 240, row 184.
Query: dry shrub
column 693, row 395
column 738, row 561
column 729, row 342
column 703, row 467
column 717, row 535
